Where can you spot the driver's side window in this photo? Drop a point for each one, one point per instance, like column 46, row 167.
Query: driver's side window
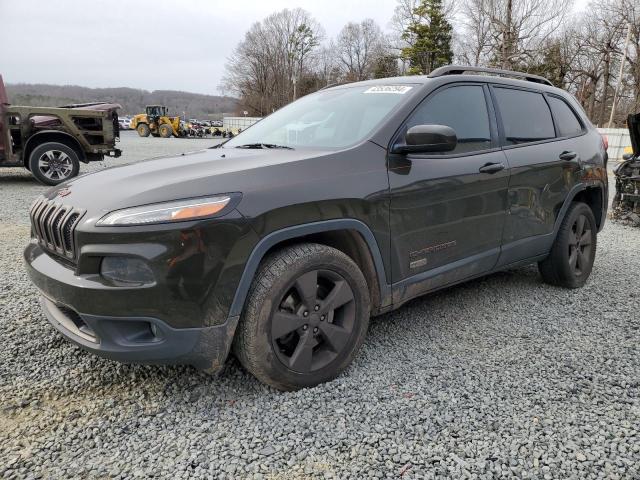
column 462, row 108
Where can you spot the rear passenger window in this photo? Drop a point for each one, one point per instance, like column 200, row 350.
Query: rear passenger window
column 525, row 116
column 462, row 108
column 567, row 123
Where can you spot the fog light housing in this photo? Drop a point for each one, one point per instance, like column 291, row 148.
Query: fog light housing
column 126, row 271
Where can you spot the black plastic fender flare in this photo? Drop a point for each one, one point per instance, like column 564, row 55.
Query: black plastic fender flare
column 298, row 231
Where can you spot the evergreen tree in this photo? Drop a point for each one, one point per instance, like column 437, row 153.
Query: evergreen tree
column 429, row 36
column 386, row 66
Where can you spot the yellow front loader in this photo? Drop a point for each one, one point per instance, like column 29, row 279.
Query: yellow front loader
column 156, row 122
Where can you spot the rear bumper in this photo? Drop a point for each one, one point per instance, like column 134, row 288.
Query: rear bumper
column 143, row 340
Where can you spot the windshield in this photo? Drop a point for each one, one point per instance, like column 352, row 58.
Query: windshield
column 333, row 118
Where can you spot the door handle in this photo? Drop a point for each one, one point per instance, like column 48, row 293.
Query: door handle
column 568, row 155
column 491, row 168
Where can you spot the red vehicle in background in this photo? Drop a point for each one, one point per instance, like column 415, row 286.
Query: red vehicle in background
column 51, row 142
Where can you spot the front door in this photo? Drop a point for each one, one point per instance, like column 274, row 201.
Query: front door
column 447, row 210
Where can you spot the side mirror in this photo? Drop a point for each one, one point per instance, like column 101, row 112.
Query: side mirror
column 627, row 156
column 428, row 138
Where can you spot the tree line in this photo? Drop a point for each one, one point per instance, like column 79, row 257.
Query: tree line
column 288, row 54
column 133, row 100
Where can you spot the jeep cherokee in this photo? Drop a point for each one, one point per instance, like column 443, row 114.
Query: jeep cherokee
column 282, row 242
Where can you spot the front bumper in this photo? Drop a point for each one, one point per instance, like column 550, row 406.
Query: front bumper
column 72, row 304
column 143, row 340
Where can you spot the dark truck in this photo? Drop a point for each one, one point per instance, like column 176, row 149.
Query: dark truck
column 346, row 203
column 51, row 142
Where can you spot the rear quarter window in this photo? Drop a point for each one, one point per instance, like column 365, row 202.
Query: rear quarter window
column 567, row 123
column 525, row 116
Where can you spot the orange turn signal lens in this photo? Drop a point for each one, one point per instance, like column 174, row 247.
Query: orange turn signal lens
column 189, row 209
column 197, row 211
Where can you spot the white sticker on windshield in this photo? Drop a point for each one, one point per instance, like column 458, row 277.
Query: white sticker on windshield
column 398, row 89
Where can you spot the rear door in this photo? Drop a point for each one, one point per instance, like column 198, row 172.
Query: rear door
column 448, row 209
column 545, row 165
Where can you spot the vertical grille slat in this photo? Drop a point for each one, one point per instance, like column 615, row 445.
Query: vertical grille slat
column 53, row 225
column 67, row 235
column 59, row 228
column 53, row 215
column 36, row 217
column 44, row 216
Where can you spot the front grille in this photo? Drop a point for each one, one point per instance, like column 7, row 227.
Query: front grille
column 53, row 225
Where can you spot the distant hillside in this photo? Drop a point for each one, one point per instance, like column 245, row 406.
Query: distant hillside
column 132, row 100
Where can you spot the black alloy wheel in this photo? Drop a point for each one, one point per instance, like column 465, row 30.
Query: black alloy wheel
column 305, row 317
column 580, row 245
column 314, row 321
column 573, row 252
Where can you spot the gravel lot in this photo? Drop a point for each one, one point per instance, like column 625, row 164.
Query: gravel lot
column 500, row 377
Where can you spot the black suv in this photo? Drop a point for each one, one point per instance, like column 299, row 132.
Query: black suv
column 282, row 242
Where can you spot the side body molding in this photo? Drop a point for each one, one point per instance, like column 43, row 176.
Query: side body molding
column 299, row 231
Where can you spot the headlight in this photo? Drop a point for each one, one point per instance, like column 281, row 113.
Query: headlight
column 180, row 210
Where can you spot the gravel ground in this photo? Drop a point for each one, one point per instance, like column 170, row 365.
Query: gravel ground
column 500, row 377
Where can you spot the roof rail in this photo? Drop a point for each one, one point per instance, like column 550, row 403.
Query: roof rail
column 460, row 69
column 335, row 84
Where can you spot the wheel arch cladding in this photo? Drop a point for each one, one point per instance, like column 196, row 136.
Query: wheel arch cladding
column 592, row 195
column 350, row 236
column 52, row 136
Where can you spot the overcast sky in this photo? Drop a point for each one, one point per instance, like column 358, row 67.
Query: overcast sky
column 149, row 44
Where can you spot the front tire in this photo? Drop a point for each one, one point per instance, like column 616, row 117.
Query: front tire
column 52, row 163
column 572, row 255
column 165, row 130
column 143, row 129
column 305, row 318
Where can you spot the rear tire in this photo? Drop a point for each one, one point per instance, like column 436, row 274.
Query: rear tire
column 572, row 255
column 165, row 130
column 143, row 129
column 305, row 317
column 53, row 163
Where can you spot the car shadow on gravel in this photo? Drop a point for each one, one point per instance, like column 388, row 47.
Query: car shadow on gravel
column 166, row 385
column 21, row 178
column 184, row 382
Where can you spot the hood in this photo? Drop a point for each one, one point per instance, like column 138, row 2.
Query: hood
column 195, row 174
column 633, row 123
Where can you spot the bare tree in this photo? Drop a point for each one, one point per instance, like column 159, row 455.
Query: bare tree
column 327, row 65
column 273, row 57
column 630, row 13
column 475, row 43
column 508, row 33
column 359, row 46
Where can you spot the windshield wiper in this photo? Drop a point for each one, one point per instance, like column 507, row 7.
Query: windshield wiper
column 264, row 145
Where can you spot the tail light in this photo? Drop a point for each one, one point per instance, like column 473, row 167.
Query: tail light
column 605, row 141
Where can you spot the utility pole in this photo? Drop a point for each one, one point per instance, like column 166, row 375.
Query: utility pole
column 622, row 62
column 293, row 79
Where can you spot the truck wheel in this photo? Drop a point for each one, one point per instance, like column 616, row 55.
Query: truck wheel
column 572, row 255
column 143, row 129
column 165, row 130
column 305, row 318
column 53, row 163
